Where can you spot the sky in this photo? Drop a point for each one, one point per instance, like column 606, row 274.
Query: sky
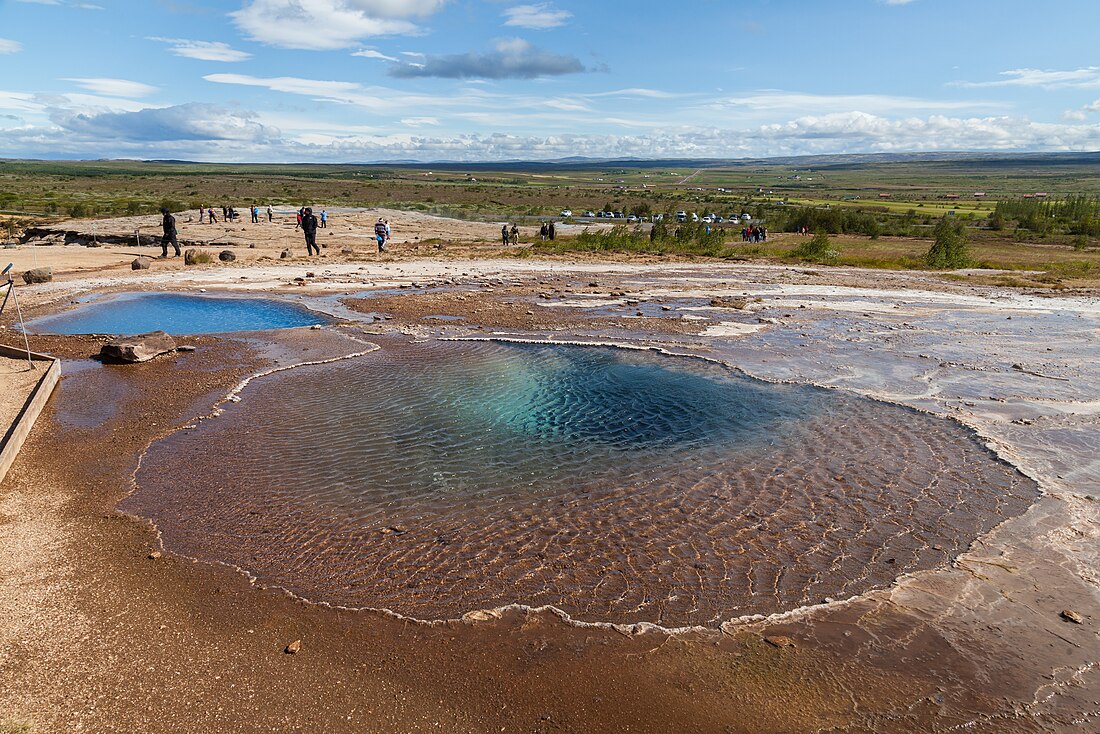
column 358, row 81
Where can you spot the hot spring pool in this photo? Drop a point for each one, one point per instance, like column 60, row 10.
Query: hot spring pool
column 176, row 313
column 437, row 478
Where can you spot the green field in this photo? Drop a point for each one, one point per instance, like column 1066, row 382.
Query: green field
column 843, row 196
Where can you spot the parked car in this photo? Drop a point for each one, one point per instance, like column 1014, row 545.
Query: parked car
column 632, row 218
column 681, row 216
column 590, row 214
column 694, row 217
column 617, row 215
column 566, row 213
column 746, row 218
column 658, row 217
column 708, row 219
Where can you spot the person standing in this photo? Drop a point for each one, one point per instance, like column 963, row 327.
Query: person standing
column 255, row 214
column 269, row 213
column 211, row 217
column 309, row 227
column 543, row 231
column 550, row 231
column 202, row 213
column 324, row 219
column 504, row 235
column 515, row 234
column 381, row 233
column 168, row 225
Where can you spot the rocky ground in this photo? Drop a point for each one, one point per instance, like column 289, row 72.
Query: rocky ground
column 100, row 630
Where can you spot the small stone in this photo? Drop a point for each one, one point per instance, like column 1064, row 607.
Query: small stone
column 286, row 255
column 315, row 327
column 140, row 348
column 140, row 263
column 293, row 648
column 38, row 275
column 154, row 555
column 311, row 275
column 227, row 256
column 780, row 641
column 185, row 348
column 1071, row 616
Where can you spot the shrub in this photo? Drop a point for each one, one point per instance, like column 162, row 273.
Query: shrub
column 949, row 250
column 819, row 250
column 197, row 257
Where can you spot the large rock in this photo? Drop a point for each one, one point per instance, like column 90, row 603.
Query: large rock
column 140, row 263
column 227, row 256
column 140, row 348
column 38, row 275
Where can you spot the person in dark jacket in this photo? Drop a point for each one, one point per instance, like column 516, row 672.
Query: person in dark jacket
column 168, row 224
column 309, row 226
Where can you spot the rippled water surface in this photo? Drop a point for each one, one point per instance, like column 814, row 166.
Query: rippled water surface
column 433, row 479
column 175, row 313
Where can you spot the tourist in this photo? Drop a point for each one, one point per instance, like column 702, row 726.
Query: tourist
column 504, row 235
column 211, row 217
column 269, row 212
column 309, row 227
column 202, row 213
column 255, row 214
column 324, row 219
column 550, row 231
column 381, row 233
column 168, row 224
column 515, row 234
column 225, row 214
column 543, row 232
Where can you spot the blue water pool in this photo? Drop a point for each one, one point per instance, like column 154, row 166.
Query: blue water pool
column 175, row 313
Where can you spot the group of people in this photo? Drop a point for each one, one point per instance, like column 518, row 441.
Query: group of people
column 509, row 236
column 546, row 231
column 754, row 233
column 229, row 214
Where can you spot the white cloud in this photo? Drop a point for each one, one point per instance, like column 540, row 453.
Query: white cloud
column 419, row 121
column 114, row 87
column 204, row 50
column 897, row 2
column 540, row 17
column 191, row 121
column 328, row 24
column 7, row 46
column 1083, row 78
column 513, row 58
column 369, row 53
column 776, row 100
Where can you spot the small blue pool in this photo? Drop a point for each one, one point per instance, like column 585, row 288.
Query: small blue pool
column 175, row 313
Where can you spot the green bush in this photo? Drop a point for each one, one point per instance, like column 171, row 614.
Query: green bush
column 949, row 250
column 819, row 250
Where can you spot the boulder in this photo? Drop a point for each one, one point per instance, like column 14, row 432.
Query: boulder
column 140, row 348
column 140, row 263
column 38, row 275
column 227, row 256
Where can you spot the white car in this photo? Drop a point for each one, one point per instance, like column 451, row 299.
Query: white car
column 566, row 213
column 681, row 216
column 746, row 218
column 589, row 214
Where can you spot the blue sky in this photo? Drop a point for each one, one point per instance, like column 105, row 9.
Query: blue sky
column 374, row 80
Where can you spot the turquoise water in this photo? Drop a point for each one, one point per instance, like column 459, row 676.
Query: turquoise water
column 618, row 485
column 175, row 313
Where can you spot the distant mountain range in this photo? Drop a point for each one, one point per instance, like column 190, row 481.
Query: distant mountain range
column 815, row 161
